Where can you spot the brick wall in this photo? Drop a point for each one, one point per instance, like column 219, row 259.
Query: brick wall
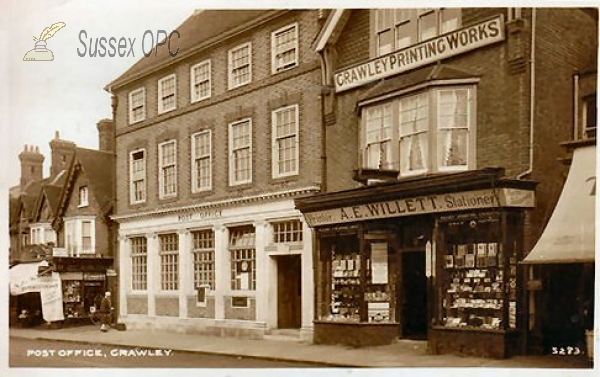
column 266, row 92
column 167, row 306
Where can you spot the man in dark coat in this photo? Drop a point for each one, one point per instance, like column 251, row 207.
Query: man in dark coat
column 105, row 312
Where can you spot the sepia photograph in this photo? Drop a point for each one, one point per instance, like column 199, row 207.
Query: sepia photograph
column 243, row 188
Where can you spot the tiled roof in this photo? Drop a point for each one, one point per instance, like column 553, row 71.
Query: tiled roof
column 201, row 28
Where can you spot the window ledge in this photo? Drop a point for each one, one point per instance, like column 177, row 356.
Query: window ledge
column 385, row 175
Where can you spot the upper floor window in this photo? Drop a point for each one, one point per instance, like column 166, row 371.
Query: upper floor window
column 167, row 169
column 240, row 65
column 200, row 81
column 285, row 141
column 589, row 115
column 167, row 94
column 284, row 48
column 137, row 106
column 396, row 29
column 83, row 196
column 201, row 161
column 426, row 132
column 240, row 152
column 137, row 176
column 80, row 236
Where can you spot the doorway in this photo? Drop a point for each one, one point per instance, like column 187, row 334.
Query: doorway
column 289, row 292
column 414, row 295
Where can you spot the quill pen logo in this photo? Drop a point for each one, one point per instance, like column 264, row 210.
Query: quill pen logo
column 40, row 52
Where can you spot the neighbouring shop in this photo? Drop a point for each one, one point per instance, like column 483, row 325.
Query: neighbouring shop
column 432, row 258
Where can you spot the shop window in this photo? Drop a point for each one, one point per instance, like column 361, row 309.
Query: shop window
column 204, row 259
column 167, row 94
column 139, row 264
column 137, row 107
column 167, row 178
column 479, row 273
column 287, row 231
column 200, row 81
column 201, row 161
column 240, row 152
column 169, row 262
column 395, row 29
column 284, row 48
column 84, row 196
column 431, row 131
column 285, row 141
column 137, row 176
column 243, row 258
column 240, row 65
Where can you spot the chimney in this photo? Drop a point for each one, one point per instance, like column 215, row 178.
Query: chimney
column 106, row 135
column 62, row 150
column 32, row 162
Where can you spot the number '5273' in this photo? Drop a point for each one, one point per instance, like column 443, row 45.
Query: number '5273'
column 566, row 351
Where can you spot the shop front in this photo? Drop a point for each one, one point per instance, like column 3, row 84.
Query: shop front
column 431, row 258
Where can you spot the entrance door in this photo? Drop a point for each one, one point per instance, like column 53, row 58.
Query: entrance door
column 414, row 295
column 289, row 292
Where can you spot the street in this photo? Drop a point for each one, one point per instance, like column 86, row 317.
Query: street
column 44, row 353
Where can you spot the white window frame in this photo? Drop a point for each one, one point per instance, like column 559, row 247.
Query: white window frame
column 230, row 67
column 194, row 97
column 169, row 285
column 276, row 173
column 142, row 268
column 288, row 228
column 382, row 139
column 142, row 117
column 195, row 160
column 84, row 196
column 242, row 248
column 207, row 264
column 137, row 177
column 161, row 108
column 275, row 68
column 74, row 235
column 162, row 194
column 232, row 181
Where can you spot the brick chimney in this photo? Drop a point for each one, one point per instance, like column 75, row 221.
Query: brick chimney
column 106, row 135
column 32, row 162
column 62, row 150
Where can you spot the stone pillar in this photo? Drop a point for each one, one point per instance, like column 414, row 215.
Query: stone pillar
column 124, row 273
column 262, row 271
column 153, row 272
column 186, row 267
column 308, row 283
column 222, row 284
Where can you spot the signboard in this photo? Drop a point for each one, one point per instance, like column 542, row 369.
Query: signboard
column 51, row 298
column 94, row 276
column 59, row 252
column 427, row 52
column 489, row 198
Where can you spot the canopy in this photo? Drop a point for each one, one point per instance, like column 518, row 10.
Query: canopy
column 569, row 236
column 23, row 278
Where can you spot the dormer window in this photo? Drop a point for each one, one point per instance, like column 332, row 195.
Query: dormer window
column 83, row 196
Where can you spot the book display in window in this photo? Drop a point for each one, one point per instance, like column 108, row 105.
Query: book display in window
column 345, row 285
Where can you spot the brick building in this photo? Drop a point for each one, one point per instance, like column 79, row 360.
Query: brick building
column 443, row 127
column 213, row 146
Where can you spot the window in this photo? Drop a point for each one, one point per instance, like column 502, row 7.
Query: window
column 137, row 106
column 378, row 147
column 285, row 141
column 139, row 264
column 167, row 179
column 243, row 258
column 284, row 48
column 167, row 92
column 395, row 29
column 83, row 196
column 204, row 259
column 200, row 81
column 240, row 152
column 430, row 131
column 287, row 231
column 240, row 65
column 589, row 115
column 137, row 176
column 80, row 236
column 169, row 261
column 201, row 161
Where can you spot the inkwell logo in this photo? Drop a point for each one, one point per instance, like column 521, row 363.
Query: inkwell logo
column 40, row 52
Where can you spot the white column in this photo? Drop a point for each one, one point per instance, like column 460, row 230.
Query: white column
column 308, row 286
column 262, row 272
column 153, row 272
column 222, row 281
column 124, row 272
column 185, row 267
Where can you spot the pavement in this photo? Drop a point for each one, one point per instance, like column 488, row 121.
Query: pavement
column 402, row 353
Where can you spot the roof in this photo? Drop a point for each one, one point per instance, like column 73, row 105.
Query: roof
column 332, row 28
column 200, row 30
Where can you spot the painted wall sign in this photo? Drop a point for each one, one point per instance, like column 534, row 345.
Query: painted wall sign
column 490, row 198
column 430, row 51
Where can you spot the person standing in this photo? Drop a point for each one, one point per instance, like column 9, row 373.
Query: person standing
column 105, row 312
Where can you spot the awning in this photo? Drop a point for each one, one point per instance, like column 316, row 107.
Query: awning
column 569, row 236
column 23, row 278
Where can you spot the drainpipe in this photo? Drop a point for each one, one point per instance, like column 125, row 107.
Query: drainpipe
column 324, row 92
column 576, row 106
column 531, row 97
